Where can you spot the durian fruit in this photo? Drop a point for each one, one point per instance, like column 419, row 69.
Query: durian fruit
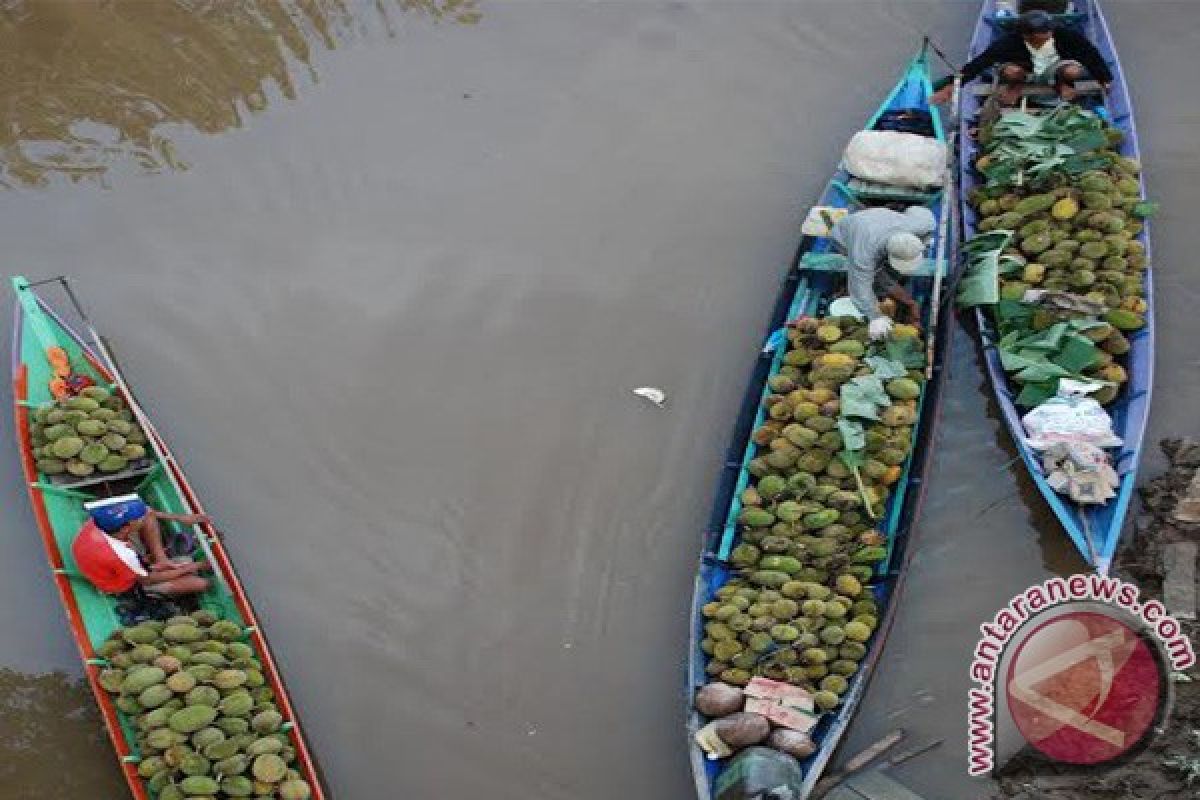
column 1125, row 320
column 1065, row 209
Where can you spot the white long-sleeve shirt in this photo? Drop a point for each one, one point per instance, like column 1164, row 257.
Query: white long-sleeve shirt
column 863, row 237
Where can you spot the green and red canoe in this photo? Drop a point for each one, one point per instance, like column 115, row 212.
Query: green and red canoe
column 40, row 335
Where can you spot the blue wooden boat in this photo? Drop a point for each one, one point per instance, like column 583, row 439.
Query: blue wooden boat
column 808, row 289
column 1095, row 530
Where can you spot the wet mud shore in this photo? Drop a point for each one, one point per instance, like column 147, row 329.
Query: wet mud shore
column 1169, row 767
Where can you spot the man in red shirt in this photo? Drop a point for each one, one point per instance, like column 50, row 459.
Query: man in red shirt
column 104, row 555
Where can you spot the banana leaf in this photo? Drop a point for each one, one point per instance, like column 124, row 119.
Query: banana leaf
column 862, row 397
column 1145, row 209
column 1044, row 372
column 1077, row 353
column 854, row 438
column 1034, row 394
column 1038, row 359
column 980, row 283
column 1012, row 315
column 1027, row 149
column 885, row 368
column 907, row 352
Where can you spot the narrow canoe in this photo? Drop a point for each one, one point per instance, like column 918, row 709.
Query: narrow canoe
column 1095, row 530
column 58, row 510
column 808, row 291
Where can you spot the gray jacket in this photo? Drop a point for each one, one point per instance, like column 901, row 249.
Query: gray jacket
column 863, row 237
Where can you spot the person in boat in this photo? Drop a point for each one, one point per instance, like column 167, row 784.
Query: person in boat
column 105, row 553
column 881, row 246
column 1035, row 53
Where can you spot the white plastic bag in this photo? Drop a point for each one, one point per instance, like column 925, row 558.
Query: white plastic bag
column 1074, row 419
column 895, row 158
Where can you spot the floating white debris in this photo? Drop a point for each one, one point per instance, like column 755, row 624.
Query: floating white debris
column 656, row 396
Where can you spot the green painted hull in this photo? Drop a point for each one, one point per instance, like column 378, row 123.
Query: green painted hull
column 58, row 510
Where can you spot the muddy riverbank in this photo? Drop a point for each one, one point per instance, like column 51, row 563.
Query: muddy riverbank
column 1169, row 767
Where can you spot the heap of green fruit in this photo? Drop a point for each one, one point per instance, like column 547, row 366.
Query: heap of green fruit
column 1077, row 233
column 1080, row 237
column 800, row 608
column 207, row 724
column 93, row 431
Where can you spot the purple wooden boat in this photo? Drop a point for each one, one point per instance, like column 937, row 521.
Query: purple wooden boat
column 1095, row 530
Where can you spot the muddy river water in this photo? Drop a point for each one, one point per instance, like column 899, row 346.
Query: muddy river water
column 384, row 273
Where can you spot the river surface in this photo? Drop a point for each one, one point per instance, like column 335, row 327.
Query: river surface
column 385, row 272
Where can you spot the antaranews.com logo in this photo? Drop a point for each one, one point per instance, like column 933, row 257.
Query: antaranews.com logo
column 1082, row 667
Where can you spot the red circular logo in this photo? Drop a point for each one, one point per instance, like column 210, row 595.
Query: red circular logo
column 1084, row 688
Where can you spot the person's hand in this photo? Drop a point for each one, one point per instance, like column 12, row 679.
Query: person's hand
column 879, row 328
column 163, row 566
column 942, row 95
column 201, row 519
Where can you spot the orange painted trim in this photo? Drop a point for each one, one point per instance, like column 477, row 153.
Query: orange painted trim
column 273, row 676
column 225, row 565
column 63, row 584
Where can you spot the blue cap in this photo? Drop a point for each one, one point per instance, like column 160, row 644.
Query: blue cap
column 111, row 517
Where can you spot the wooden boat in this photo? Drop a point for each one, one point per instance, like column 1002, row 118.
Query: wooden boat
column 58, row 509
column 1095, row 530
column 808, row 290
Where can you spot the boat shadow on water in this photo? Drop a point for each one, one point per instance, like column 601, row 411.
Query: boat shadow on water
column 1058, row 555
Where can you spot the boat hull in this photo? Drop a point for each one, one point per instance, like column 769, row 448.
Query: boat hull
column 803, row 293
column 58, row 513
column 1095, row 532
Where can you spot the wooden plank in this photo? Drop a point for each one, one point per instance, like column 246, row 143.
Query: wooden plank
column 1179, row 585
column 1037, row 90
column 136, row 470
column 874, row 785
column 843, row 793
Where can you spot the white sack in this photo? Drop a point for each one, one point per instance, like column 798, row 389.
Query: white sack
column 895, row 158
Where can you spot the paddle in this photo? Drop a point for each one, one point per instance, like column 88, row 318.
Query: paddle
column 943, row 229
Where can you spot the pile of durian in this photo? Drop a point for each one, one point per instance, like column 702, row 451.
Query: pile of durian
column 207, row 724
column 1080, row 237
column 799, row 607
column 91, row 432
column 1079, row 234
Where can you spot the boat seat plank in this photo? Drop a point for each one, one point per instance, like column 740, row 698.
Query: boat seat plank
column 144, row 467
column 61, row 491
column 1036, row 90
column 1070, row 19
column 836, row 262
column 874, row 785
column 863, row 193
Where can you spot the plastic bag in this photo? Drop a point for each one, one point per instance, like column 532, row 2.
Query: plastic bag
column 1081, row 471
column 898, row 159
column 760, row 772
column 1070, row 418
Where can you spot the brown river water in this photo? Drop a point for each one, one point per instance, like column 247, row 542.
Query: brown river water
column 385, row 272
